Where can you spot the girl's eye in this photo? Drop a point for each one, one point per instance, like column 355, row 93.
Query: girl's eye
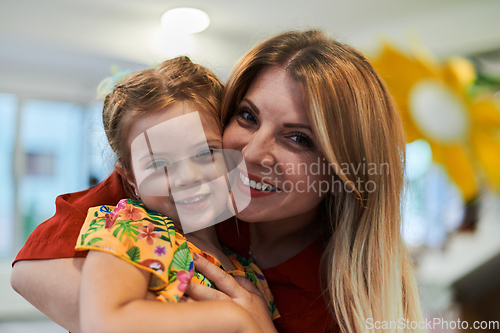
column 204, row 153
column 301, row 139
column 204, row 156
column 157, row 164
column 246, row 114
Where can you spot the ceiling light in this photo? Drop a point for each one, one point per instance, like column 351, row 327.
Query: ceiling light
column 185, row 20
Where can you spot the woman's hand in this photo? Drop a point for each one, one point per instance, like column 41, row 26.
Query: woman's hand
column 238, row 289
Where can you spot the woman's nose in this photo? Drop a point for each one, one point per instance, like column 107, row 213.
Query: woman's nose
column 186, row 174
column 259, row 148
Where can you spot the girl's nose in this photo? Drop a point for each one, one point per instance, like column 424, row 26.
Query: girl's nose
column 259, row 148
column 186, row 174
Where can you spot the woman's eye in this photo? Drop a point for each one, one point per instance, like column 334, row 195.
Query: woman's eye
column 302, row 140
column 246, row 114
column 157, row 164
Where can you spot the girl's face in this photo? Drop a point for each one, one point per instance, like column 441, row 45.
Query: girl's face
column 272, row 130
column 172, row 162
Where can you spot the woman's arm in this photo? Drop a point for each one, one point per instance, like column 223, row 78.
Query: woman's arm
column 52, row 286
column 112, row 300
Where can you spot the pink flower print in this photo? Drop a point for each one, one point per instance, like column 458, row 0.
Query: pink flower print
column 121, row 204
column 110, row 220
column 130, row 212
column 148, row 233
column 160, row 250
column 112, row 216
column 184, row 277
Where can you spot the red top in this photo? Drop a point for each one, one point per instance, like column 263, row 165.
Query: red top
column 294, row 283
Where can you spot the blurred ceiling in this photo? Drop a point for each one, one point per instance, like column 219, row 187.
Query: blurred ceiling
column 82, row 38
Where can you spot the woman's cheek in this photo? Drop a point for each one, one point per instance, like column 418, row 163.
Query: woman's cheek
column 233, row 136
column 309, row 177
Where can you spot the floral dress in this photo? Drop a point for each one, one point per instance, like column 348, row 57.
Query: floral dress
column 150, row 241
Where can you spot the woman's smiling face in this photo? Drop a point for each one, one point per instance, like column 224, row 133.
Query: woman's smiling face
column 272, row 130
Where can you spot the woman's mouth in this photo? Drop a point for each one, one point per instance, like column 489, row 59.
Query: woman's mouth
column 256, row 185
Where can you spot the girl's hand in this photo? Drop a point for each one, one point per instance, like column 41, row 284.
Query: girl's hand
column 238, row 289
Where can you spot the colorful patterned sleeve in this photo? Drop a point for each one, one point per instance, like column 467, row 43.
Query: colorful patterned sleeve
column 143, row 238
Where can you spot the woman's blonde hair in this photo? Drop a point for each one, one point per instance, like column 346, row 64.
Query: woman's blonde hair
column 367, row 269
column 151, row 90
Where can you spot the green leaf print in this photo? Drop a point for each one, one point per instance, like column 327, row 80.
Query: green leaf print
column 166, row 239
column 126, row 227
column 156, row 222
column 252, row 277
column 95, row 225
column 182, row 258
column 156, row 219
column 272, row 308
column 171, row 230
column 134, row 253
column 173, row 277
column 94, row 240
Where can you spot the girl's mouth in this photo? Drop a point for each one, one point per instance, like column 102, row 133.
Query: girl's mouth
column 194, row 202
column 195, row 199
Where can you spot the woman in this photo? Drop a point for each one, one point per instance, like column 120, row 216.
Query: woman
column 313, row 121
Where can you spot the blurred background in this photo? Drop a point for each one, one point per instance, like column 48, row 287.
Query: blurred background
column 440, row 59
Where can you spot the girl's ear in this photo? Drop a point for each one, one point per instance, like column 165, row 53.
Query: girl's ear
column 122, row 172
column 126, row 175
column 119, row 169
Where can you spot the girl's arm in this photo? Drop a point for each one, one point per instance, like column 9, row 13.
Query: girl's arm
column 112, row 300
column 52, row 286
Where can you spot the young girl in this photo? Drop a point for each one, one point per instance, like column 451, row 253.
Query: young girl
column 162, row 124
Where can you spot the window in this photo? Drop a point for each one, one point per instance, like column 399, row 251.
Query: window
column 433, row 206
column 47, row 148
column 8, row 107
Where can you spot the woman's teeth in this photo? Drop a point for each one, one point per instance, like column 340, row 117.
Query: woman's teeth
column 256, row 185
column 201, row 197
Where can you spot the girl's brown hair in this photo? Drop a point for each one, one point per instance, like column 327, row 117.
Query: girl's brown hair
column 367, row 269
column 151, row 90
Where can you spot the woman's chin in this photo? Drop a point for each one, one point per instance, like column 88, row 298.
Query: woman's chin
column 254, row 215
